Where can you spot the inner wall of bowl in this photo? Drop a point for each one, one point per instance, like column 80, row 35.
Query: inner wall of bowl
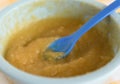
column 18, row 18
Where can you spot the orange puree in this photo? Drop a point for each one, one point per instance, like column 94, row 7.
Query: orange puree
column 25, row 49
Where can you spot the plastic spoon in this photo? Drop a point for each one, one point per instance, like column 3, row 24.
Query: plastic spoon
column 66, row 44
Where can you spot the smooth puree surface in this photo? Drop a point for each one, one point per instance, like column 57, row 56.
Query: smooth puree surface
column 26, row 48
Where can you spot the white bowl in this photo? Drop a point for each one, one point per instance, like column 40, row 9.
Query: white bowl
column 22, row 13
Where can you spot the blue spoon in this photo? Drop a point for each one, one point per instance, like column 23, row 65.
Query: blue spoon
column 66, row 44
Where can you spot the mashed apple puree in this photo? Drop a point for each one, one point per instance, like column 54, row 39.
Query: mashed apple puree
column 26, row 49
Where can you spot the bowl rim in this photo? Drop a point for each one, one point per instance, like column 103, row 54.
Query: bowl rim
column 23, row 76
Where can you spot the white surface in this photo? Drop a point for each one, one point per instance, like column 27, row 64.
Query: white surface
column 3, row 79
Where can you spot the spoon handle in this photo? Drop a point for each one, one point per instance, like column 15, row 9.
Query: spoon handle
column 96, row 19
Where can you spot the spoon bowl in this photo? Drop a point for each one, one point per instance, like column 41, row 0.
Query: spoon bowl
column 63, row 45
